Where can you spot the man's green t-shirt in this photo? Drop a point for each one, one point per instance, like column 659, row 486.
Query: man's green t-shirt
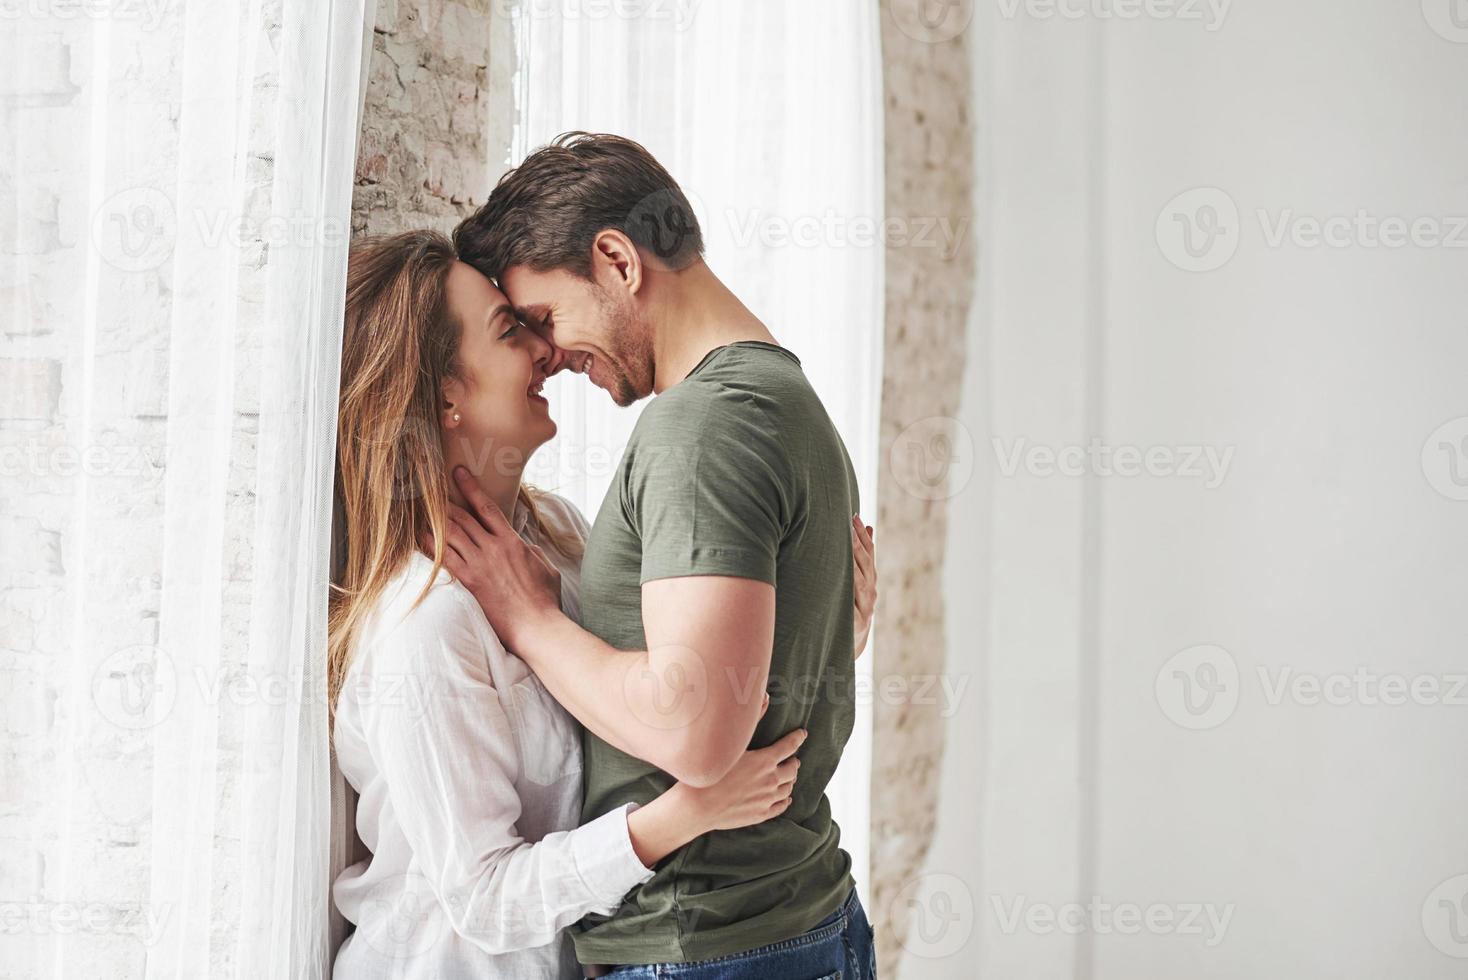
column 738, row 471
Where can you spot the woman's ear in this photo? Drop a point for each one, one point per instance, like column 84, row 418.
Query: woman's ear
column 615, row 256
column 449, row 402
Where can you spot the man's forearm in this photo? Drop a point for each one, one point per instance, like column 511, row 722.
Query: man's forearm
column 660, row 709
column 584, row 674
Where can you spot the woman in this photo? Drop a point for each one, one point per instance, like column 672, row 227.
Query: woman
column 468, row 771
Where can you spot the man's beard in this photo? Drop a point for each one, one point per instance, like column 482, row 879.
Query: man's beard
column 629, row 355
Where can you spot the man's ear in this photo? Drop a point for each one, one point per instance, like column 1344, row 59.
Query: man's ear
column 615, row 257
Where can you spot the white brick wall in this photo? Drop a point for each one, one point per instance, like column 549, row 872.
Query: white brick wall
column 76, row 794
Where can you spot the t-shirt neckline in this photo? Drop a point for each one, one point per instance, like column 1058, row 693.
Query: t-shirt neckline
column 761, row 344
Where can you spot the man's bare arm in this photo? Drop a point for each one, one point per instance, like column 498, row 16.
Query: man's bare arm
column 690, row 702
column 688, row 705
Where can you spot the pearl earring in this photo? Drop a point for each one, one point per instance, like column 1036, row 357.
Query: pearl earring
column 456, row 416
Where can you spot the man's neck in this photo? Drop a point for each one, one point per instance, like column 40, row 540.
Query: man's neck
column 697, row 313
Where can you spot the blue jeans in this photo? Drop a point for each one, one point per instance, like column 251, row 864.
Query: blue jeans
column 839, row 947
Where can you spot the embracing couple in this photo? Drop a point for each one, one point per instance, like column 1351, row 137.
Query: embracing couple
column 588, row 751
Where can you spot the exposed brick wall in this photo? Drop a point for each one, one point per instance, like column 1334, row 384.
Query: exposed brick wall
column 422, row 160
column 930, row 169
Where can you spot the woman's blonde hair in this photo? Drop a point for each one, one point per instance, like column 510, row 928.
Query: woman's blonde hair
column 400, row 344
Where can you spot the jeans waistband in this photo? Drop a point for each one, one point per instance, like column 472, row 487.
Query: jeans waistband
column 845, row 908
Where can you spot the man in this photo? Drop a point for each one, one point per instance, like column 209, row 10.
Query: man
column 719, row 568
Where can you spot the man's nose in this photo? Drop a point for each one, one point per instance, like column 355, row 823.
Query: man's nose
column 552, row 359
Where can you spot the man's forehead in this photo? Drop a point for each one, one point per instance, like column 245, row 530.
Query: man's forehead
column 532, row 311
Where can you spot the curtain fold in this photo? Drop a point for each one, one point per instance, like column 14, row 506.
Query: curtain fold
column 177, row 186
column 769, row 115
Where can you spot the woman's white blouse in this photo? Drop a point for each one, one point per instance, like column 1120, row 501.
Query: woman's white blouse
column 469, row 774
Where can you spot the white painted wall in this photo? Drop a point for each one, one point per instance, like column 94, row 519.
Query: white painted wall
column 1333, row 545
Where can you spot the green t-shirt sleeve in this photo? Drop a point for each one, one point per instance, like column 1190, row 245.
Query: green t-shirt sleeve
column 707, row 488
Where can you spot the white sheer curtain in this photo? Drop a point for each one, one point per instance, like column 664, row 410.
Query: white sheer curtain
column 177, row 185
column 768, row 113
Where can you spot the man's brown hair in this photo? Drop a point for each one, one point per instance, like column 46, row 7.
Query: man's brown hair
column 545, row 213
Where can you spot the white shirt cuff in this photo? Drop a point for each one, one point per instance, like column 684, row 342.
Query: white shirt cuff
column 608, row 865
